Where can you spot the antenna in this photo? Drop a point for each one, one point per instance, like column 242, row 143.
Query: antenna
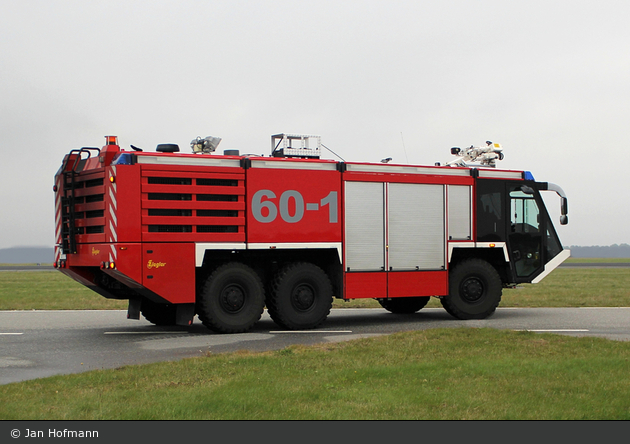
column 403, row 144
column 333, row 152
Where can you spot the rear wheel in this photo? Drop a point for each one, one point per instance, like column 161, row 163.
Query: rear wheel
column 301, row 296
column 404, row 305
column 474, row 290
column 232, row 299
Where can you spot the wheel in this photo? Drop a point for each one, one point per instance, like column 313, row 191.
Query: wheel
column 404, row 305
column 301, row 296
column 158, row 314
column 474, row 290
column 232, row 299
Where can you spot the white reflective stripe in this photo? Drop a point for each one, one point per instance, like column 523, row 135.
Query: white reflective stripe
column 114, row 254
column 113, row 174
column 287, row 164
column 112, row 207
column 200, row 249
column 189, row 160
column 383, row 168
column 500, row 174
column 552, row 265
column 58, row 219
column 112, row 213
column 113, row 197
column 502, row 245
column 113, row 230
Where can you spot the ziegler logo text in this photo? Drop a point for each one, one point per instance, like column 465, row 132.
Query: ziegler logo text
column 152, row 264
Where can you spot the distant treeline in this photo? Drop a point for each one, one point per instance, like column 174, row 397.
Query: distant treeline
column 27, row 255
column 596, row 251
column 45, row 255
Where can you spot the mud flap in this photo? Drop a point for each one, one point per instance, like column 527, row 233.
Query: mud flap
column 133, row 312
column 185, row 314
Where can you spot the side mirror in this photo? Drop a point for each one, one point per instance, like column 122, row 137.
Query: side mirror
column 564, row 206
column 564, row 210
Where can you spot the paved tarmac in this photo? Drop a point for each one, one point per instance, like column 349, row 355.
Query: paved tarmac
column 35, row 344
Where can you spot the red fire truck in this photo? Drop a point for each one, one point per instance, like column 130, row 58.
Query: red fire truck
column 222, row 237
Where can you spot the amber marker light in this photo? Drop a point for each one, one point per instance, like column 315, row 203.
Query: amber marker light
column 493, row 245
column 111, row 140
column 112, row 179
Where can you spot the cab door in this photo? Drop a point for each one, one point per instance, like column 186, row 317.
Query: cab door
column 510, row 211
column 525, row 238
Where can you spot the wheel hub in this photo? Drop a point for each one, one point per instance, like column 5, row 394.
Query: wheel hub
column 233, row 298
column 472, row 289
column 303, row 297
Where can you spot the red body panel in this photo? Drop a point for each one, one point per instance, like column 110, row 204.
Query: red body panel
column 293, row 206
column 169, row 270
column 365, row 285
column 417, row 283
column 122, row 199
column 395, row 284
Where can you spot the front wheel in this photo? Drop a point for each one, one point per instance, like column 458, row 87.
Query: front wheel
column 474, row 290
column 232, row 300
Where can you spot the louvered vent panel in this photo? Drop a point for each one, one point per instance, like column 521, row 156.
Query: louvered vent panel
column 193, row 206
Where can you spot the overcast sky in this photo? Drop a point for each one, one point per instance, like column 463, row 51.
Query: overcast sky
column 549, row 80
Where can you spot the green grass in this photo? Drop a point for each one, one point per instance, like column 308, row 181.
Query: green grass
column 568, row 287
column 587, row 260
column 440, row 374
column 49, row 290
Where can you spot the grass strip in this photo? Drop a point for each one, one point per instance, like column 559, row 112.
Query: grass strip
column 439, row 374
column 570, row 287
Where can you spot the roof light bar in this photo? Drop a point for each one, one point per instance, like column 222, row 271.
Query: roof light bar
column 111, row 140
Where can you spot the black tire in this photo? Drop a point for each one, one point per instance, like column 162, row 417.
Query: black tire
column 159, row 314
column 301, row 296
column 404, row 305
column 474, row 290
column 232, row 299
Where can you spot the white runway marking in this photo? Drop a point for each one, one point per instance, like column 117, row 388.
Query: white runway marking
column 144, row 332
column 311, row 331
column 564, row 330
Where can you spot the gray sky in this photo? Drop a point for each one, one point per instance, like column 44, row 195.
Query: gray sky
column 549, row 80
